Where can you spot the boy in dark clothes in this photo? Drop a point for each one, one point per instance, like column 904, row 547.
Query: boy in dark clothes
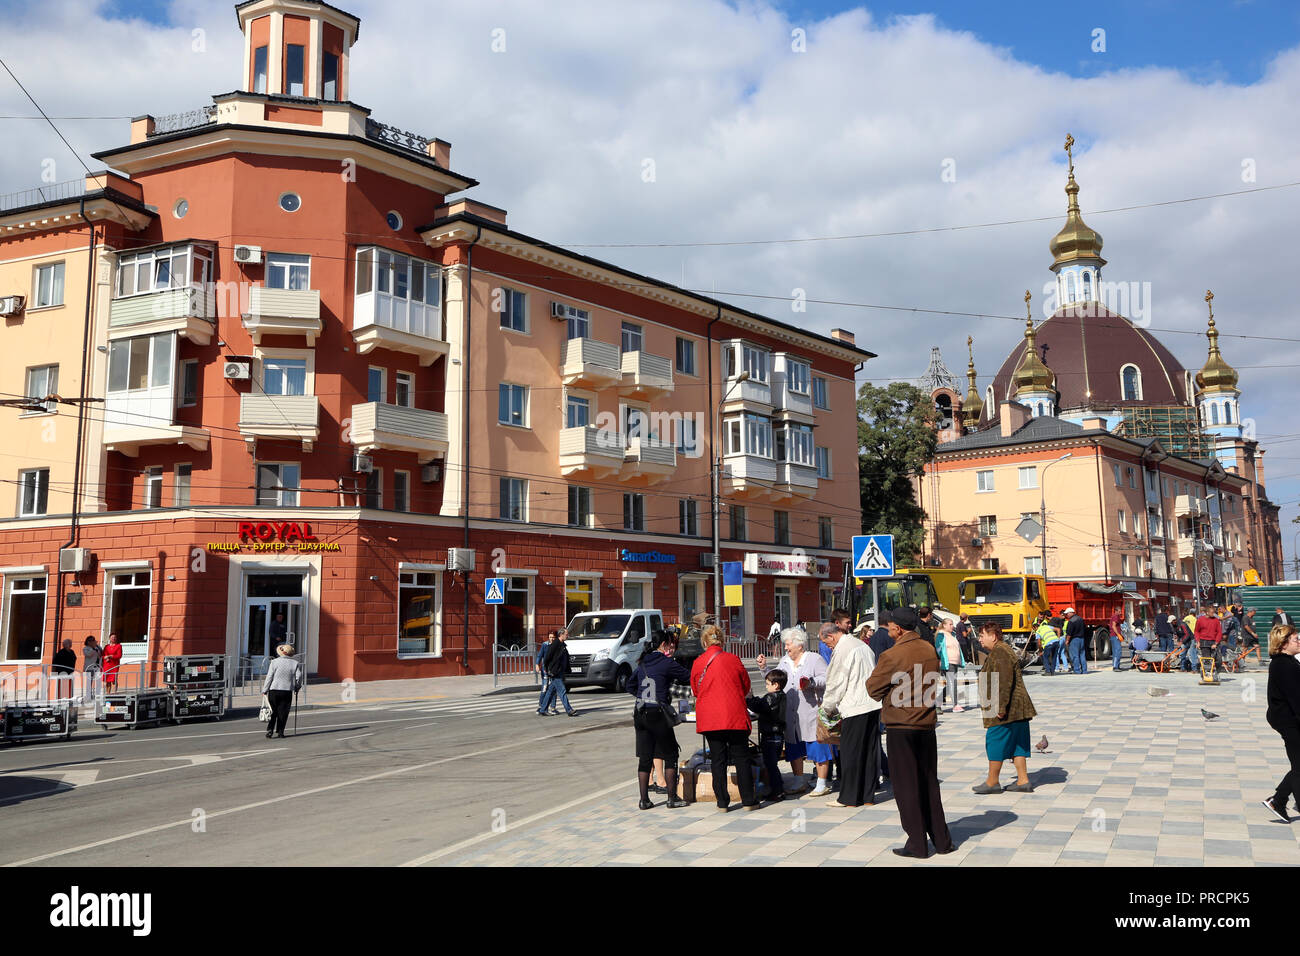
column 770, row 710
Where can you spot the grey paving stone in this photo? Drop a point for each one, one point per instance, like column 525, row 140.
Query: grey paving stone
column 1268, row 831
column 1180, row 827
column 1179, row 861
column 1130, row 841
column 1233, row 848
column 1082, row 856
column 1048, row 837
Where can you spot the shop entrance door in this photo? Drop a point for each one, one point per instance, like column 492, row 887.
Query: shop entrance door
column 274, row 614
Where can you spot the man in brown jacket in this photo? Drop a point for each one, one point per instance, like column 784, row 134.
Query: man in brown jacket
column 906, row 682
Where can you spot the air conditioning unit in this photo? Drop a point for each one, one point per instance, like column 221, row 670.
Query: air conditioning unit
column 706, row 559
column 363, row 464
column 73, row 560
column 248, row 255
column 429, row 474
column 460, row 559
column 559, row 310
column 977, row 542
column 1151, row 592
column 238, row 370
column 13, row 304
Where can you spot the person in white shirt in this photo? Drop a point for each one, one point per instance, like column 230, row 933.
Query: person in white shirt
column 846, row 696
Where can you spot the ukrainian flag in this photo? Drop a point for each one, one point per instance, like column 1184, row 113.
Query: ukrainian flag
column 733, row 583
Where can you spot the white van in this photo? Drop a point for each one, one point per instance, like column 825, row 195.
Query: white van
column 604, row 646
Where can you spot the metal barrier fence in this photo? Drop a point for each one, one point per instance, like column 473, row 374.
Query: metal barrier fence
column 513, row 661
column 748, row 648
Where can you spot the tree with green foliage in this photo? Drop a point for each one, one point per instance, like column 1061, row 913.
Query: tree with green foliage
column 896, row 437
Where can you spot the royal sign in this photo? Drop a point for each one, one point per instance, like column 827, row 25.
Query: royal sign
column 286, row 532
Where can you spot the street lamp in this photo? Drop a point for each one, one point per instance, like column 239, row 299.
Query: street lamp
column 716, row 469
column 1042, row 505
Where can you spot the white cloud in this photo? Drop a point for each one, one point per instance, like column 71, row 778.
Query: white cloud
column 751, row 140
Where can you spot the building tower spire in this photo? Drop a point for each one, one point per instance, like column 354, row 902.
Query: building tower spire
column 973, row 406
column 1033, row 383
column 1218, row 397
column 1076, row 249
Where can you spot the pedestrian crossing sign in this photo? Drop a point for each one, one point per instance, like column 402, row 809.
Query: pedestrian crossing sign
column 496, row 591
column 873, row 555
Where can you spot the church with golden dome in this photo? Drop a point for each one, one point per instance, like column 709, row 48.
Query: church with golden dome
column 1156, row 483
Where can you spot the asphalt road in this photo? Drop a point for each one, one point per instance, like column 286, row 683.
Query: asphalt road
column 366, row 784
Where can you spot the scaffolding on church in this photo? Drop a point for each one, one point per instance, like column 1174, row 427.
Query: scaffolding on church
column 1175, row 426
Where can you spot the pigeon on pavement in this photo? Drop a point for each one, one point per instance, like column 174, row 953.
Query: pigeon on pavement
column 1207, row 715
column 1041, row 746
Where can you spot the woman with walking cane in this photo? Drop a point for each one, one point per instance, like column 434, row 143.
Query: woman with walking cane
column 283, row 680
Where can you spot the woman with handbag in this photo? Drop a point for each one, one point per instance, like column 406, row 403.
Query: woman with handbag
column 720, row 683
column 282, row 681
column 805, row 682
column 1007, row 712
column 654, row 717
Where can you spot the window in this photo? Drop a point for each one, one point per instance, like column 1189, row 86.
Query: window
column 579, row 507
column 514, row 310
column 781, row 527
column 1123, row 564
column 330, row 76
column 401, row 491
column 284, row 271
column 1028, row 477
column 284, row 376
column 738, row 515
column 1118, row 480
column 514, row 499
column 758, row 436
column 419, row 613
column 24, row 618
column 634, row 422
column 181, row 485
column 825, row 533
column 988, row 526
column 579, row 596
column 48, row 286
column 984, row 481
column 259, row 70
column 688, row 436
column 189, row 383
column 688, row 517
column 823, row 457
column 577, row 412
column 277, row 485
column 989, row 564
column 819, row 392
column 633, row 337
column 153, row 487
column 796, row 376
column 407, row 292
column 293, row 69
column 375, row 391
column 797, row 444
column 1131, row 381
column 755, row 362
column 141, row 363
column 33, row 492
column 633, row 512
column 1214, row 414
column 1122, row 528
column 633, row 594
column 290, row 202
column 577, row 320
column 373, row 496
column 685, row 356
column 404, row 390
column 128, row 615
column 512, row 405
column 731, row 437
column 43, row 381
column 1034, row 564
column 169, row 267
column 1132, row 477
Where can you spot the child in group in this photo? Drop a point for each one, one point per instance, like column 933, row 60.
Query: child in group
column 770, row 710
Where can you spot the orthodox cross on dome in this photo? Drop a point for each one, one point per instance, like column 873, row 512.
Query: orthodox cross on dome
column 970, row 348
column 1209, row 300
column 1029, row 315
column 1069, row 151
column 937, row 375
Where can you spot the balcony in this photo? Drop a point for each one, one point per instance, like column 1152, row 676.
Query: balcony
column 285, row 417
column 750, row 394
column 1188, row 506
column 591, row 364
column 645, row 375
column 787, row 401
column 283, row 312
column 189, row 311
column 797, row 479
column 589, row 450
column 1188, row 546
column 382, row 321
column 649, row 460
column 376, row 425
column 143, row 417
column 750, row 476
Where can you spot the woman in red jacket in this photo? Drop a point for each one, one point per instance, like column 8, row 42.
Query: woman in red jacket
column 721, row 684
column 109, row 661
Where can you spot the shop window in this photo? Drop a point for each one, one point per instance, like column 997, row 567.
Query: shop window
column 419, row 613
column 128, row 612
column 634, row 594
column 579, row 597
column 514, row 617
column 24, row 618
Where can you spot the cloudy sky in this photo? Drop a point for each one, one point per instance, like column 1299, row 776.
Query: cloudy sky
column 681, row 137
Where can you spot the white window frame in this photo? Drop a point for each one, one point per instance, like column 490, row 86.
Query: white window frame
column 41, row 484
column 575, row 320
column 49, row 385
column 630, row 518
column 406, row 379
column 513, row 390
column 509, row 298
column 575, row 400
column 798, row 376
column 518, row 493
column 688, row 435
column 631, row 333
column 10, row 582
column 283, row 492
column 375, row 476
column 985, row 485
column 187, row 484
column 822, row 455
column 153, row 487
column 435, row 612
column 383, row 384
column 291, row 263
column 578, row 494
column 40, row 287
column 1030, row 471
column 688, row 517
column 123, row 346
column 192, row 255
column 1123, row 527
column 306, row 356
column 690, row 351
column 1137, row 382
column 1033, row 564
column 825, row 403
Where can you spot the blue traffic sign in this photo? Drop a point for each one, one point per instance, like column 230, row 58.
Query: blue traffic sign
column 873, row 555
column 495, row 592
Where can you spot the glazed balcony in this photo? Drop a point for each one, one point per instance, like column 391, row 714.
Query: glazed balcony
column 645, row 375
column 398, row 305
column 378, row 425
column 797, row 479
column 283, row 312
column 280, row 417
column 190, row 311
column 588, row 450
column 750, row 394
column 752, row 476
column 649, row 460
column 143, row 417
column 591, row 364
column 1188, row 506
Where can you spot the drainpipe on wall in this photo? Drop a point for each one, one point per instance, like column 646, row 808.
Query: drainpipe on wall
column 74, row 523
column 464, row 463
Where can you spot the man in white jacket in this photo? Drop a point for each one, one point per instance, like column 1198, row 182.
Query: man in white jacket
column 846, row 695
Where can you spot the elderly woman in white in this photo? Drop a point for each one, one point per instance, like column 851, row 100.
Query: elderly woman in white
column 846, row 696
column 805, row 681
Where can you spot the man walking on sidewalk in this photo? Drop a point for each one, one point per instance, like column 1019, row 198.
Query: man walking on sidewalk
column 539, row 666
column 557, row 669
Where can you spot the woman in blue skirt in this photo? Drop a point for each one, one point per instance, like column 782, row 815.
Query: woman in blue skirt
column 1007, row 712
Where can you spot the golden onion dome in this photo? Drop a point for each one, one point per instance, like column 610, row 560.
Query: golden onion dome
column 1217, row 375
column 973, row 406
column 1031, row 375
column 1076, row 240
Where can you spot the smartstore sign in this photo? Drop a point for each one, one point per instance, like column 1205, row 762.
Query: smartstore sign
column 788, row 565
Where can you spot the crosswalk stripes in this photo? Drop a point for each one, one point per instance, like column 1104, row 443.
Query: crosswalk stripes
column 476, row 708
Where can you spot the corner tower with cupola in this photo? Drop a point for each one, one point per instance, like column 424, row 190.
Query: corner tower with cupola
column 1033, row 384
column 1076, row 249
column 1218, row 400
